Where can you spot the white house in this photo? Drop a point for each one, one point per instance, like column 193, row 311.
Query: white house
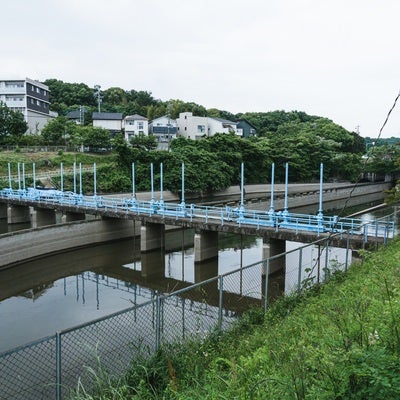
column 135, row 125
column 29, row 97
column 192, row 127
column 110, row 121
column 163, row 128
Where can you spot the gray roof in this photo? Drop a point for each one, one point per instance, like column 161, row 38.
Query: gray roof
column 108, row 116
column 225, row 121
column 74, row 115
column 136, row 117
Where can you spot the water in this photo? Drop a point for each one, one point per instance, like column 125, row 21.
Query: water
column 40, row 297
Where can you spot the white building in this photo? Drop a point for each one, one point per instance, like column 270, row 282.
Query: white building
column 163, row 128
column 192, row 127
column 29, row 97
column 109, row 121
column 135, row 125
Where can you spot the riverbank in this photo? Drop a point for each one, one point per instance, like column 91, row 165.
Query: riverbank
column 338, row 340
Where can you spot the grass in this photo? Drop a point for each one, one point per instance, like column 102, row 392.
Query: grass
column 340, row 340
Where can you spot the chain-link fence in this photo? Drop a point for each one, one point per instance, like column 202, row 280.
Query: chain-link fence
column 50, row 367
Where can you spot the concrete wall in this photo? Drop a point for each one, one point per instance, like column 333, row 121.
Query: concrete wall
column 24, row 245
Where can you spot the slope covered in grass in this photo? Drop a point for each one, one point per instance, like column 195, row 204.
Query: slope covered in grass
column 338, row 341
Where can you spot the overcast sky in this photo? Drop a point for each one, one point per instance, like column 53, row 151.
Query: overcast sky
column 338, row 59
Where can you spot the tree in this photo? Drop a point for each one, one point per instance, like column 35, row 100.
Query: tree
column 143, row 142
column 93, row 137
column 58, row 131
column 12, row 124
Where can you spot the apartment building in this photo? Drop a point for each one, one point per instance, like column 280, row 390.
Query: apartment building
column 29, row 97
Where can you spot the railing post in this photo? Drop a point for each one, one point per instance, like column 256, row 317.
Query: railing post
column 9, row 176
column 58, row 366
column 220, row 301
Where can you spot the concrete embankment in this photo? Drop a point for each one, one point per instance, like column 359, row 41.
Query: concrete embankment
column 31, row 243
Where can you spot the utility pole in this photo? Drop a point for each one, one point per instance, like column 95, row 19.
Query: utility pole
column 97, row 95
column 81, row 115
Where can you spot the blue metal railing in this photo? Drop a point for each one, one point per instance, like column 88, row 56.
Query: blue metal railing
column 239, row 215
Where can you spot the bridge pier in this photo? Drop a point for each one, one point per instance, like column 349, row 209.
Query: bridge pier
column 42, row 217
column 69, row 216
column 17, row 214
column 152, row 236
column 3, row 210
column 205, row 245
column 273, row 247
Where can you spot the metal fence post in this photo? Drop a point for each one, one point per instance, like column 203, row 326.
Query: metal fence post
column 266, row 286
column 58, row 365
column 299, row 271
column 220, row 301
column 158, row 321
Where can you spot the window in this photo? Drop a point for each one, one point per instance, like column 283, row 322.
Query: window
column 140, row 125
column 201, row 128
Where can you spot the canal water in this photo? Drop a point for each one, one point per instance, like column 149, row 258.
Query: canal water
column 43, row 296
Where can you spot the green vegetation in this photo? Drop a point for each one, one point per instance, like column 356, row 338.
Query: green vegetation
column 340, row 340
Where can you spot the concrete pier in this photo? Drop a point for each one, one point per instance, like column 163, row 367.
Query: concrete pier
column 3, row 210
column 152, row 236
column 72, row 216
column 273, row 247
column 205, row 245
column 42, row 217
column 18, row 214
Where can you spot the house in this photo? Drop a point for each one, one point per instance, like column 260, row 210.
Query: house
column 163, row 128
column 247, row 128
column 135, row 125
column 29, row 97
column 193, row 127
column 77, row 116
column 109, row 121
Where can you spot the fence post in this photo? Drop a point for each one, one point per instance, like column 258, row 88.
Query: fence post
column 266, row 286
column 58, row 365
column 347, row 252
column 220, row 301
column 158, row 321
column 299, row 271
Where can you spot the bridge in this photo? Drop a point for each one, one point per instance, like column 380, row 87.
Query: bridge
column 40, row 206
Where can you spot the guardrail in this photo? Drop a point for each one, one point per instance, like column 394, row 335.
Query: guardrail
column 239, row 215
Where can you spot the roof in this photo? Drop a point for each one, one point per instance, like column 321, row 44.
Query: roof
column 108, row 116
column 73, row 115
column 136, row 117
column 247, row 122
column 224, row 121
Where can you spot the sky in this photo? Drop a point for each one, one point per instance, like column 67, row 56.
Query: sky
column 338, row 59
